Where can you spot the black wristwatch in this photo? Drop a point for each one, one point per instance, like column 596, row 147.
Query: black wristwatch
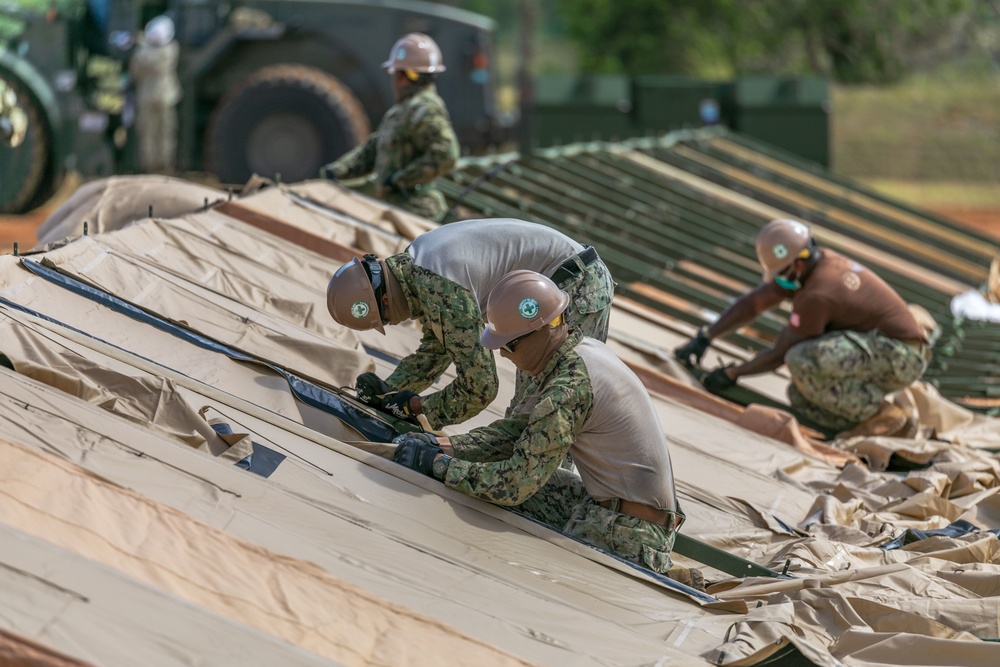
column 441, row 466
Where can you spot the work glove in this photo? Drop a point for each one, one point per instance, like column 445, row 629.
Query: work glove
column 370, row 389
column 693, row 349
column 327, row 172
column 397, row 404
column 717, row 381
column 417, row 452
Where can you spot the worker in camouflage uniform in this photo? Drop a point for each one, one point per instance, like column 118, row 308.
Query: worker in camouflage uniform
column 13, row 120
column 583, row 401
column 153, row 68
column 443, row 280
column 850, row 338
column 415, row 143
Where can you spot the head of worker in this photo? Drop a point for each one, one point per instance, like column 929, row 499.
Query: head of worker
column 415, row 61
column 524, row 315
column 159, row 31
column 364, row 294
column 785, row 249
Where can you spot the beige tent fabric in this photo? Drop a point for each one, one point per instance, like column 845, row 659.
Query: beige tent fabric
column 366, row 521
column 289, row 598
column 267, row 338
column 377, row 531
column 244, row 279
column 373, row 211
column 865, row 648
column 104, row 617
column 948, row 421
column 150, row 401
column 338, row 216
column 17, row 651
column 111, row 203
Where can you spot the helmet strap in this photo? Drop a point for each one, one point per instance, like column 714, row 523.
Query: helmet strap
column 374, row 270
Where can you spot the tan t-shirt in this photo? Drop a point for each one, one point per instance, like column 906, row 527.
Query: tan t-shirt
column 621, row 451
column 841, row 295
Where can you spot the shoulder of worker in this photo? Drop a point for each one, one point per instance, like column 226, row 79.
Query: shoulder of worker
column 426, row 106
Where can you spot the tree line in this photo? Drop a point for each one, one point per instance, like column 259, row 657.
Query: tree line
column 850, row 41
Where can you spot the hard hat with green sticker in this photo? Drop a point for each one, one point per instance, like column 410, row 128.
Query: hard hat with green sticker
column 528, row 308
column 359, row 309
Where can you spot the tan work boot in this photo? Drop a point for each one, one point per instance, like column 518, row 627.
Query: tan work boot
column 889, row 421
column 689, row 576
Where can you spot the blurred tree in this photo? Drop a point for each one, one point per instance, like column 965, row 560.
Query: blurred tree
column 852, row 41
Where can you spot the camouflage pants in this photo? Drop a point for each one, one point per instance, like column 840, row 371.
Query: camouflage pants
column 589, row 309
column 427, row 202
column 563, row 503
column 840, row 378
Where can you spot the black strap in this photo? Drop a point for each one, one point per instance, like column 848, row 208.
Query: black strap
column 571, row 268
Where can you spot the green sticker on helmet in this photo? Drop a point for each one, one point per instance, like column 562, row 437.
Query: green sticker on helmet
column 781, row 251
column 359, row 309
column 528, row 308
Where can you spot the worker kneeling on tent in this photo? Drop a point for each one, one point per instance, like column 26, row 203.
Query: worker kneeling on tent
column 443, row 280
column 584, row 401
column 850, row 338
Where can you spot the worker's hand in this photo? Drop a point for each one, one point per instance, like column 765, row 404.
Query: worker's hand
column 370, row 389
column 398, row 404
column 417, row 451
column 693, row 349
column 328, row 172
column 718, row 380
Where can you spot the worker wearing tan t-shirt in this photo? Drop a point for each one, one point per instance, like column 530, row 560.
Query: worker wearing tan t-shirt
column 850, row 338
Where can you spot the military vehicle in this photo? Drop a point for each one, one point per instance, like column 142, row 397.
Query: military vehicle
column 273, row 87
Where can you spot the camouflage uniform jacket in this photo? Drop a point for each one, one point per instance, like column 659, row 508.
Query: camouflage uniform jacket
column 508, row 461
column 452, row 324
column 413, row 145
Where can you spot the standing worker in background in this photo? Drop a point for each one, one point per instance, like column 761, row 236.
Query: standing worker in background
column 443, row 280
column 583, row 401
column 850, row 338
column 153, row 68
column 415, row 143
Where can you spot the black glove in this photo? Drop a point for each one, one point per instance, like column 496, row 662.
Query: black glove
column 416, row 453
column 398, row 404
column 693, row 348
column 327, row 172
column 370, row 389
column 717, row 381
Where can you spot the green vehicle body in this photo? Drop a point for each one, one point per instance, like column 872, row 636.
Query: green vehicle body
column 273, row 87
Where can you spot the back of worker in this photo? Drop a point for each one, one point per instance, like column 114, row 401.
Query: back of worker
column 619, row 450
column 477, row 253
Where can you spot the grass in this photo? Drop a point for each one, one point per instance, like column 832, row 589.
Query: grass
column 941, row 126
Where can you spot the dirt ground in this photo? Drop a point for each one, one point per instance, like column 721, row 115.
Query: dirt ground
column 21, row 228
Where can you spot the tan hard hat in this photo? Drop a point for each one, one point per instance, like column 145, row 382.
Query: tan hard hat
column 521, row 302
column 350, row 296
column 779, row 243
column 415, row 52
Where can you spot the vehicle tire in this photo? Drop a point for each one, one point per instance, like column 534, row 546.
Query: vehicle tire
column 28, row 175
column 286, row 120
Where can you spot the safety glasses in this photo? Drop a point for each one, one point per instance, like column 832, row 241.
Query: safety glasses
column 510, row 345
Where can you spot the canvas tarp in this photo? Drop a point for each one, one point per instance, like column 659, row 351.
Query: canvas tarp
column 111, row 203
column 387, row 530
